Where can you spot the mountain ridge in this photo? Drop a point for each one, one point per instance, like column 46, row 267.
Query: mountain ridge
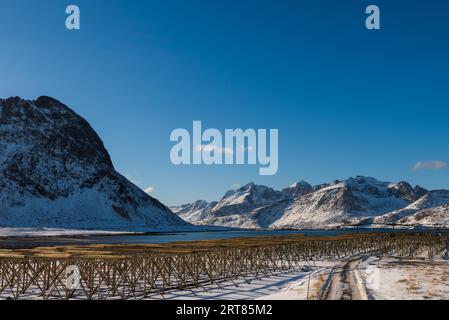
column 55, row 172
column 356, row 201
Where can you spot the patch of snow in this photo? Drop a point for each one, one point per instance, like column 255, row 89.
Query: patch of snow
column 406, row 279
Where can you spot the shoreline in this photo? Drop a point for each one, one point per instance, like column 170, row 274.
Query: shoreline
column 173, row 238
column 50, row 238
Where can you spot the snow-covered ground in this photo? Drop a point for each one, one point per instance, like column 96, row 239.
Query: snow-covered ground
column 298, row 285
column 375, row 278
column 406, row 279
column 307, row 288
column 281, row 286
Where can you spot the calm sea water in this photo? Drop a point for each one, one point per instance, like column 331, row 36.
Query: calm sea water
column 215, row 235
column 194, row 236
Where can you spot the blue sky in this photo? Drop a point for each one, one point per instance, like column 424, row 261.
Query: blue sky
column 346, row 101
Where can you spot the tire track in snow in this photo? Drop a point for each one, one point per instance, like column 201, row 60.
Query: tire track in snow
column 345, row 282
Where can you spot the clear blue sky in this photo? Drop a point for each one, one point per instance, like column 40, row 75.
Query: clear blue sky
column 346, row 101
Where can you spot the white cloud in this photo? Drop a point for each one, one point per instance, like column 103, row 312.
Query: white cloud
column 149, row 190
column 235, row 186
column 211, row 147
column 430, row 165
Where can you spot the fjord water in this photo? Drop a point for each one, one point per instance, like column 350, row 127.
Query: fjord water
column 217, row 235
column 195, row 236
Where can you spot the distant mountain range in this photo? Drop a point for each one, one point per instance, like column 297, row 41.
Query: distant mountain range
column 359, row 201
column 55, row 172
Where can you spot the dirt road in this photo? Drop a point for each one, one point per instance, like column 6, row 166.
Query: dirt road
column 344, row 283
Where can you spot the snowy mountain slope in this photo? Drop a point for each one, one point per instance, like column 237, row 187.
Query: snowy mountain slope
column 355, row 201
column 342, row 202
column 196, row 211
column 432, row 209
column 56, row 173
column 431, row 217
column 237, row 208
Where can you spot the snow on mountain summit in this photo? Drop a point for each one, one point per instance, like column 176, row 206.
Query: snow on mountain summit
column 343, row 202
column 55, row 172
column 355, row 201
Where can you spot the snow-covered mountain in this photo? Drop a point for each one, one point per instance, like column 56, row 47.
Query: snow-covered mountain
column 355, row 201
column 431, row 210
column 56, row 173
